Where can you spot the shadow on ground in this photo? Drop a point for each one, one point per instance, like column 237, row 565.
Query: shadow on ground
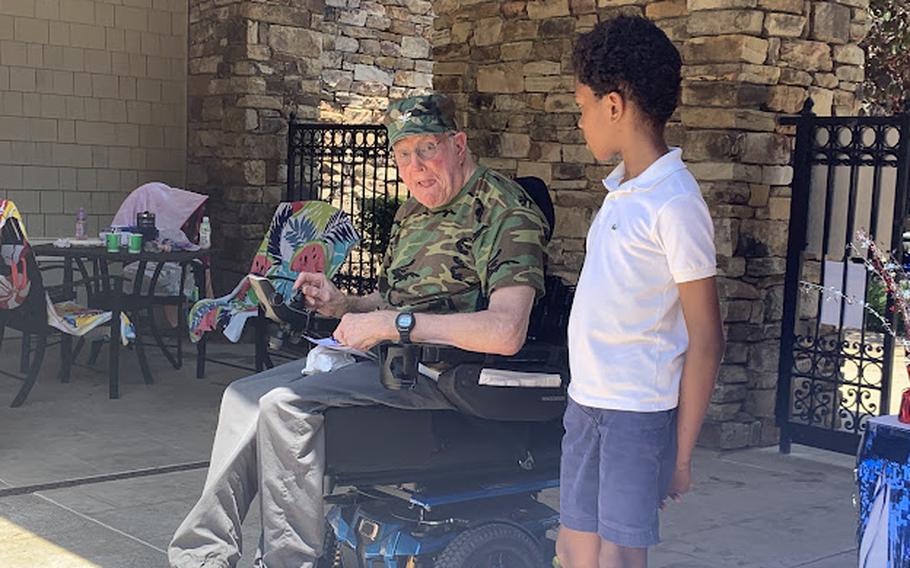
column 750, row 509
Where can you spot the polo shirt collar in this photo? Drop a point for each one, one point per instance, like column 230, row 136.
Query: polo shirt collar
column 662, row 167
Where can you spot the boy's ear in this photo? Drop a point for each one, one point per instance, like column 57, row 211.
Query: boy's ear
column 616, row 106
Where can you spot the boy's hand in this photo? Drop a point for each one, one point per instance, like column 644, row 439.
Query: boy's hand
column 680, row 484
column 320, row 294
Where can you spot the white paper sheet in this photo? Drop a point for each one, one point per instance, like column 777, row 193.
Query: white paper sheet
column 331, row 343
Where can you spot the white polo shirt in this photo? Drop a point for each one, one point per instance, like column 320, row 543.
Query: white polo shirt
column 627, row 335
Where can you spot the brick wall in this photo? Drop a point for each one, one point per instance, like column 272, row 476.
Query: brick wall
column 92, row 104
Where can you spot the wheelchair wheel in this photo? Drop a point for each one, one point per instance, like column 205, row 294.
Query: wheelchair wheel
column 331, row 556
column 495, row 545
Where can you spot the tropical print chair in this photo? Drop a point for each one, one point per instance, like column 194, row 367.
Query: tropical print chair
column 304, row 236
column 27, row 306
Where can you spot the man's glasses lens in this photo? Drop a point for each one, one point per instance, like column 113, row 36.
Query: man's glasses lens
column 425, row 151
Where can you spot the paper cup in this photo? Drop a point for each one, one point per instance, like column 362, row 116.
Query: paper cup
column 135, row 243
column 113, row 242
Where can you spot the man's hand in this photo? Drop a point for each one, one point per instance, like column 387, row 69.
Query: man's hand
column 363, row 331
column 680, row 484
column 321, row 295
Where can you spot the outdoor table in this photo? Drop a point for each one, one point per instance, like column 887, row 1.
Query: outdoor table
column 883, row 480
column 108, row 294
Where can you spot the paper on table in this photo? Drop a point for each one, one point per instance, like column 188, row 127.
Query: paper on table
column 331, row 343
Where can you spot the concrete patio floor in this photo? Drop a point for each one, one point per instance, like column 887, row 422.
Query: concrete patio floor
column 750, row 509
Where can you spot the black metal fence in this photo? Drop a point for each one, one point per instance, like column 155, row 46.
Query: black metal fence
column 836, row 361
column 351, row 167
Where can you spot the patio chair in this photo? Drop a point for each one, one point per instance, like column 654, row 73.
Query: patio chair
column 178, row 215
column 304, row 236
column 36, row 311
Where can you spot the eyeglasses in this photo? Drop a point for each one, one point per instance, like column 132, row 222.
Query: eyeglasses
column 427, row 150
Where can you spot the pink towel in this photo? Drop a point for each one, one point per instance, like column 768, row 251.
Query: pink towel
column 172, row 208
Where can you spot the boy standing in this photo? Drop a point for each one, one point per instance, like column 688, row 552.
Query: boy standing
column 645, row 334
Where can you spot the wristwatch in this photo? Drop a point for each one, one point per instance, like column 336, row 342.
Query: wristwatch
column 404, row 323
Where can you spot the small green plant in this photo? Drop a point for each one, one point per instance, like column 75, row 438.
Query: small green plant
column 887, row 64
column 877, row 299
column 377, row 224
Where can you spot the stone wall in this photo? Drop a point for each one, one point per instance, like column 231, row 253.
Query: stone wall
column 507, row 64
column 745, row 63
column 250, row 65
column 92, row 105
column 253, row 63
column 373, row 52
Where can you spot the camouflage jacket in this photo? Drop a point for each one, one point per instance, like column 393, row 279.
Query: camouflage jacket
column 452, row 258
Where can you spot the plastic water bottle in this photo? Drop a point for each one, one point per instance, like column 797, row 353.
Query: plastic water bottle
column 80, row 223
column 205, row 234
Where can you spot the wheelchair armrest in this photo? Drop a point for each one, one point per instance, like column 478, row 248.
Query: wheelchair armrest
column 460, row 372
column 508, row 403
column 399, row 362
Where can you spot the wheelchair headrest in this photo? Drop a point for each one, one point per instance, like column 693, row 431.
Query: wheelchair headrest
column 538, row 191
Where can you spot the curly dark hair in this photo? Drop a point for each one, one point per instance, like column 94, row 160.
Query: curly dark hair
column 633, row 57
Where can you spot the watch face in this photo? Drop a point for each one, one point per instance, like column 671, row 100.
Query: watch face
column 405, row 321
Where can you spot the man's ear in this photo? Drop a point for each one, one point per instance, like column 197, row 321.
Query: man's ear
column 460, row 140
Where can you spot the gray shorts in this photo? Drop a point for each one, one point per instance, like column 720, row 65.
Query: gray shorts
column 616, row 469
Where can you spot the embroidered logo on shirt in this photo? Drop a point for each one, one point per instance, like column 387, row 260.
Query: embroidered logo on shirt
column 614, row 227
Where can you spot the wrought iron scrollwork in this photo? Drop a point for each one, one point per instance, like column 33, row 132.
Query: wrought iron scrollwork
column 824, row 395
column 351, row 167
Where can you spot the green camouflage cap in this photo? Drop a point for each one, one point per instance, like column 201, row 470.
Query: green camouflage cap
column 424, row 114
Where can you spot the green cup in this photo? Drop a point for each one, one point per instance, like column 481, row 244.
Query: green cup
column 113, row 242
column 135, row 243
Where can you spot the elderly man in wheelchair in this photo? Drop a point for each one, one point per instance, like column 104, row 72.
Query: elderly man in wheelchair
column 445, row 459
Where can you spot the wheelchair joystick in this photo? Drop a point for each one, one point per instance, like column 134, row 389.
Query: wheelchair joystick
column 298, row 302
column 294, row 314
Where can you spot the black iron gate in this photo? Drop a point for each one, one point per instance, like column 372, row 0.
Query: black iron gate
column 836, row 362
column 351, row 167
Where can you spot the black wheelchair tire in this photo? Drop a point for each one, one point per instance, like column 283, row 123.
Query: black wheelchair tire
column 493, row 545
column 331, row 556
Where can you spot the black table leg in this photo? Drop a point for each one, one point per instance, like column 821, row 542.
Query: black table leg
column 33, row 368
column 97, row 345
column 200, row 358
column 114, row 372
column 143, row 360
column 181, row 313
column 159, row 340
column 262, row 341
column 25, row 349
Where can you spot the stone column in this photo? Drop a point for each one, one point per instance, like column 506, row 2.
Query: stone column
column 250, row 65
column 736, row 86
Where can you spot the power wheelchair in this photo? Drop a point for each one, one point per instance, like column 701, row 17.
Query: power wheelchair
column 452, row 488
